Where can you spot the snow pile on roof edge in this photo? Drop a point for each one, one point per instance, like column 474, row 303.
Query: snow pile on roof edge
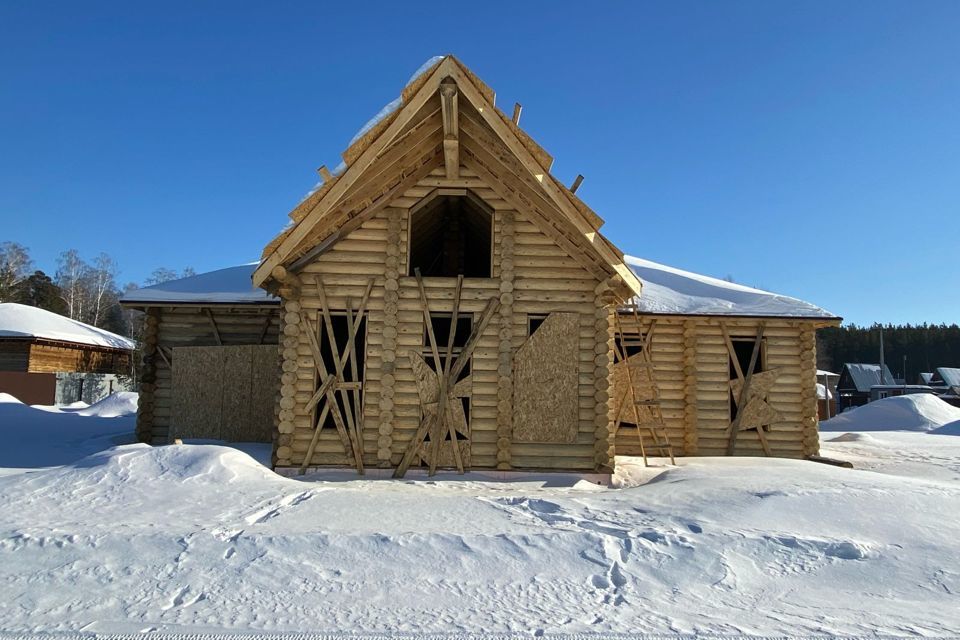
column 668, row 290
column 23, row 321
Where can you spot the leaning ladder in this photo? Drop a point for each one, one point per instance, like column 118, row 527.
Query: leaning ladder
column 637, row 367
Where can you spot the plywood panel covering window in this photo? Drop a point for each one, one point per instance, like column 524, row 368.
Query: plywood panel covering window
column 743, row 347
column 545, row 405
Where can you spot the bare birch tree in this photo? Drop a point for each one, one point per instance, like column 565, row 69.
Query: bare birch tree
column 15, row 268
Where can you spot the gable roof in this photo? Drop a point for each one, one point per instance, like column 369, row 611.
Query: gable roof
column 671, row 291
column 20, row 321
column 946, row 377
column 864, row 376
column 223, row 286
column 370, row 180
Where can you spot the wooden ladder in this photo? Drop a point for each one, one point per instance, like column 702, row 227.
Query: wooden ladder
column 637, row 367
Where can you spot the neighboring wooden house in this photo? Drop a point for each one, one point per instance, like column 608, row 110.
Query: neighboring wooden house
column 945, row 382
column 210, row 365
column 704, row 336
column 46, row 358
column 856, row 381
column 444, row 302
column 945, row 378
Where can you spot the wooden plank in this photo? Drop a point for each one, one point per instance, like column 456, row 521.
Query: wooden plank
column 237, row 363
column 197, row 393
column 265, row 372
column 545, row 407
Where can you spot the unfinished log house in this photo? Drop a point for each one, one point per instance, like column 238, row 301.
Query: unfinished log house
column 446, row 302
column 442, row 301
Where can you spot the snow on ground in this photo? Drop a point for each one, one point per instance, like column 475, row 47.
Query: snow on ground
column 44, row 436
column 903, row 435
column 195, row 538
column 914, row 412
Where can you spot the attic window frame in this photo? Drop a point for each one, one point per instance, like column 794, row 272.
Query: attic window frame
column 446, row 192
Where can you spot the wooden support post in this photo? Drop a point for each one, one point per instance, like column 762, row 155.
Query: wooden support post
column 517, row 109
column 213, row 325
column 451, row 129
column 325, row 173
column 576, row 183
column 505, row 362
column 691, row 435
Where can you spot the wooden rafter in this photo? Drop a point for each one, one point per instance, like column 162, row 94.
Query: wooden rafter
column 548, row 185
column 354, row 171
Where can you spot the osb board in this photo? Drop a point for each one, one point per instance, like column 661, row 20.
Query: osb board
column 224, row 393
column 197, row 392
column 643, row 386
column 545, row 381
column 235, row 398
column 757, row 412
column 265, row 374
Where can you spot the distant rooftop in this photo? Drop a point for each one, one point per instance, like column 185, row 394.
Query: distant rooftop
column 223, row 286
column 865, row 376
column 19, row 321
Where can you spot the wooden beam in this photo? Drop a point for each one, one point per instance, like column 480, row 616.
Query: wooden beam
column 325, row 173
column 348, row 223
column 547, row 184
column 517, row 109
column 451, row 130
column 354, row 171
column 213, row 325
column 576, row 183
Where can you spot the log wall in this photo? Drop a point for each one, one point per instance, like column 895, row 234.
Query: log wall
column 167, row 328
column 692, row 369
column 531, row 275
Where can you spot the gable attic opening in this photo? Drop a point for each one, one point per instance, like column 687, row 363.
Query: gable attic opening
column 450, row 235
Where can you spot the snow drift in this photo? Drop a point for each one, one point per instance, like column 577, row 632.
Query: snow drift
column 914, row 412
column 201, row 539
column 45, row 436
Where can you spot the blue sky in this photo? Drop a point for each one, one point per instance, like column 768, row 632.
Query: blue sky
column 810, row 148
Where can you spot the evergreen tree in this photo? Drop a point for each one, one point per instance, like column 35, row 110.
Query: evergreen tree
column 39, row 290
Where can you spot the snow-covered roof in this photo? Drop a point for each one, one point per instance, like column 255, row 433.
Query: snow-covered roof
column 224, row 286
column 21, row 321
column 829, row 374
column 389, row 108
column 865, row 376
column 947, row 376
column 672, row 291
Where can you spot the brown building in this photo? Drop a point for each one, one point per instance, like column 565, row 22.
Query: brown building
column 46, row 358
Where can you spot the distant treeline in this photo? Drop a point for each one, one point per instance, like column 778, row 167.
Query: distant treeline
column 925, row 346
column 82, row 290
